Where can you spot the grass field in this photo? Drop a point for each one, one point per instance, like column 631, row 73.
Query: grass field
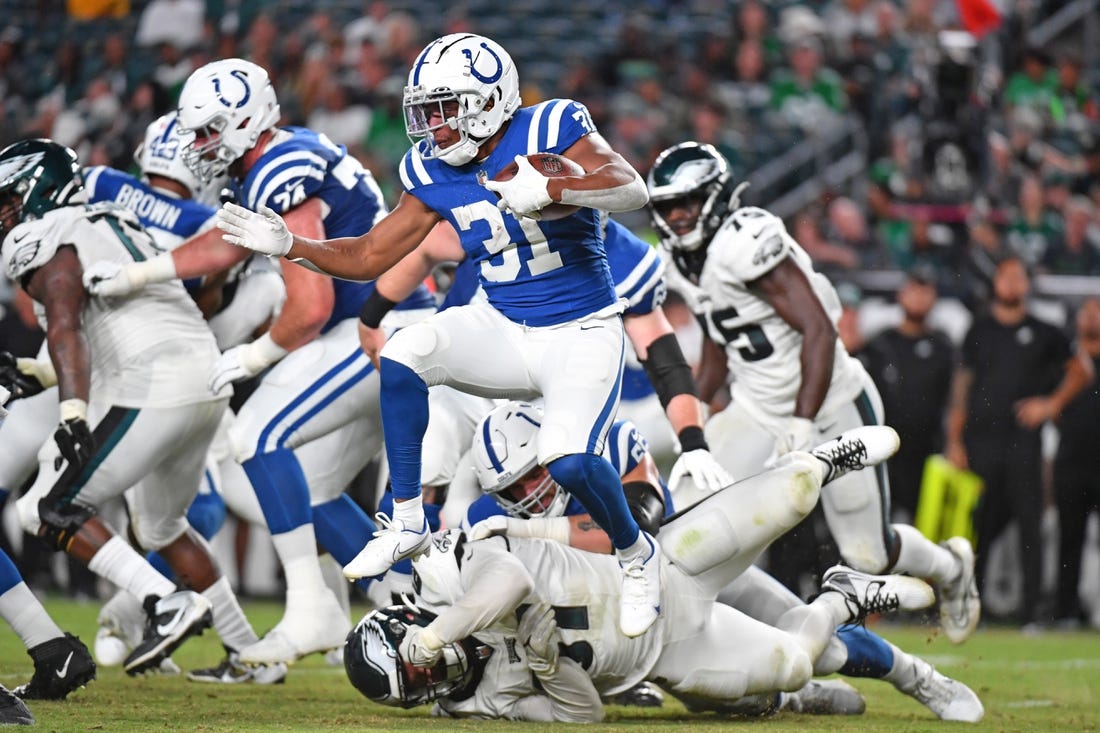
column 1049, row 682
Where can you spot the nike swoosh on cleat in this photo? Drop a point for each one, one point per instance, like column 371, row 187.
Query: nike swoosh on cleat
column 65, row 667
column 163, row 629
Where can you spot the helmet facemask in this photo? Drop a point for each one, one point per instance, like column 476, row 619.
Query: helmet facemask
column 546, row 498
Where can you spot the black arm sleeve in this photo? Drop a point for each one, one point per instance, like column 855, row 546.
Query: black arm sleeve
column 647, row 505
column 374, row 309
column 668, row 370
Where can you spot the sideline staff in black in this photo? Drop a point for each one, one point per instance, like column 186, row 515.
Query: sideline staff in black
column 1017, row 372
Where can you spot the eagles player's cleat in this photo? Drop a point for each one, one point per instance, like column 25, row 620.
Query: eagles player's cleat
column 171, row 620
column 232, row 672
column 949, row 699
column 391, row 544
column 314, row 624
column 641, row 695
column 824, row 697
column 641, row 595
column 60, row 666
column 866, row 594
column 13, row 711
column 855, row 449
column 960, row 605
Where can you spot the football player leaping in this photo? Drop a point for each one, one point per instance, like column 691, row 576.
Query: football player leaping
column 770, row 320
column 552, row 323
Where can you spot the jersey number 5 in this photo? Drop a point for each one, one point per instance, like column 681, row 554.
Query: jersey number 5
column 750, row 341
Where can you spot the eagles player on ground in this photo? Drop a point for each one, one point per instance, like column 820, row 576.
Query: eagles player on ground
column 698, row 648
column 552, row 323
column 770, row 321
column 520, row 500
column 128, row 368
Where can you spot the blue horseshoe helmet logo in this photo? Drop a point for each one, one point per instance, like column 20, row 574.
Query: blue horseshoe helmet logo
column 474, row 72
column 239, row 75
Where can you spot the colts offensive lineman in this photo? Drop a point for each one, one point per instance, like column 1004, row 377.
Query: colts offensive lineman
column 552, row 323
column 770, row 320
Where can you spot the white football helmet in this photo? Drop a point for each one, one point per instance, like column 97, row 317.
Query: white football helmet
column 471, row 70
column 226, row 105
column 161, row 153
column 505, row 450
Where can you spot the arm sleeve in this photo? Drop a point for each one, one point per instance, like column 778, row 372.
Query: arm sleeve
column 494, row 583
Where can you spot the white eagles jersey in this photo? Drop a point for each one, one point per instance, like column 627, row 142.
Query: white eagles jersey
column 150, row 349
column 763, row 351
column 583, row 588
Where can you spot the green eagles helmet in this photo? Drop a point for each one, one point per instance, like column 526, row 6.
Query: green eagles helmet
column 690, row 170
column 37, row 176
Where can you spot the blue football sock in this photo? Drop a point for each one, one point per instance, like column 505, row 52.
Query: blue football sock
column 597, row 486
column 404, row 405
column 281, row 488
column 868, row 654
column 9, row 574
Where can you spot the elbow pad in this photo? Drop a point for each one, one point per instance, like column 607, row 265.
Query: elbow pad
column 647, row 505
column 668, row 370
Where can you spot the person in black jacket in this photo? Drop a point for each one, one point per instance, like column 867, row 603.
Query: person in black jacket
column 912, row 367
column 1016, row 373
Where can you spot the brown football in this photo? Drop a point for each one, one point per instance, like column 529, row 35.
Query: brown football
column 551, row 166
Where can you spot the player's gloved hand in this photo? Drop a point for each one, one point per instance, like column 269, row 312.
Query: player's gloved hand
column 797, row 434
column 244, row 361
column 489, row 527
column 114, row 280
column 538, row 632
column 420, row 647
column 525, row 193
column 263, row 231
column 24, row 377
column 702, row 467
column 73, row 436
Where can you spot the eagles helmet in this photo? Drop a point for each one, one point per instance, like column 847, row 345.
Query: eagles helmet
column 505, row 451
column 374, row 665
column 684, row 172
column 226, row 105
column 37, row 176
column 161, row 153
column 471, row 70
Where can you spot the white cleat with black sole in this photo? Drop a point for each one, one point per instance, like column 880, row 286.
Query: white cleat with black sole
column 857, row 448
column 171, row 621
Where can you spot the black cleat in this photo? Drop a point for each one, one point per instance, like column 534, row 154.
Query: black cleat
column 171, row 620
column 60, row 666
column 13, row 711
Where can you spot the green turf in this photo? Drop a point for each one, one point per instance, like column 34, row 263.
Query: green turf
column 1050, row 682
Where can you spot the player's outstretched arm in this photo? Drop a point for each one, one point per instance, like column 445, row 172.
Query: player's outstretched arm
column 352, row 258
column 610, row 183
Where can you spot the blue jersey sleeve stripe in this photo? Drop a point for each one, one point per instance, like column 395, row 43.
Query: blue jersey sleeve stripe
column 287, row 175
column 554, row 123
column 648, row 271
column 533, row 130
column 276, row 173
column 91, row 178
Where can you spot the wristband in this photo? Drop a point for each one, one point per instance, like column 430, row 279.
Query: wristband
column 159, row 269
column 74, row 409
column 691, row 438
column 261, row 353
column 375, row 309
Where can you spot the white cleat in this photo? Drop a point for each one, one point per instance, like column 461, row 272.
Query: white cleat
column 949, row 699
column 171, row 620
column 640, row 604
column 857, row 448
column 867, row 594
column 391, row 544
column 309, row 626
column 232, row 672
column 960, row 605
column 824, row 697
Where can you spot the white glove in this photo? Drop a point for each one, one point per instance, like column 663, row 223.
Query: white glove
column 420, row 647
column 246, row 360
column 702, row 467
column 113, row 280
column 489, row 527
column 525, row 193
column 797, row 434
column 538, row 632
column 264, row 231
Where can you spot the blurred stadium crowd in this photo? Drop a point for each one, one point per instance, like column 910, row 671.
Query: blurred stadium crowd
column 892, row 135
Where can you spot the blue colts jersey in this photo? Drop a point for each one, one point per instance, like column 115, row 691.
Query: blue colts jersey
column 169, row 219
column 537, row 273
column 639, row 275
column 302, row 164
